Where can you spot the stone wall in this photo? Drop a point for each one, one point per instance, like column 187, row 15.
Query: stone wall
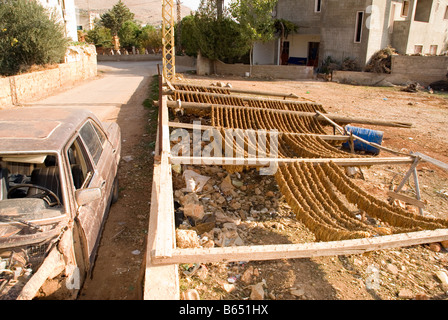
column 405, row 69
column 80, row 65
column 291, row 72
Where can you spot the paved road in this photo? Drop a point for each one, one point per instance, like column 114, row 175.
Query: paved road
column 116, row 83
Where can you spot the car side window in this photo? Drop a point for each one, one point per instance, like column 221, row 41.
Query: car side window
column 80, row 165
column 93, row 139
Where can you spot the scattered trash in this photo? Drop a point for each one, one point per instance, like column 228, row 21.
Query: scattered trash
column 176, row 168
column 136, row 252
column 194, row 181
column 412, row 87
column 128, row 158
column 191, row 294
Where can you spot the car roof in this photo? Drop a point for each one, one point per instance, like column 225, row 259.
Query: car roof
column 39, row 129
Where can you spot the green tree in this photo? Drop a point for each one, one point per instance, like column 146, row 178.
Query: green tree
column 100, row 36
column 216, row 38
column 129, row 33
column 115, row 17
column 255, row 18
column 28, row 36
column 150, row 38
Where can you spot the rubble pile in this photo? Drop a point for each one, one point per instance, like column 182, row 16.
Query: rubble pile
column 215, row 208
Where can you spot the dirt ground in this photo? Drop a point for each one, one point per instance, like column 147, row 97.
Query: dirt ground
column 264, row 217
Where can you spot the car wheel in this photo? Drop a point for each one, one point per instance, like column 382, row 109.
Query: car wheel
column 115, row 191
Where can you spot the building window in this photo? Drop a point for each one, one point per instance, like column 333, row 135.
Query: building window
column 423, row 10
column 433, row 50
column 405, row 9
column 359, row 24
column 317, row 5
column 418, row 49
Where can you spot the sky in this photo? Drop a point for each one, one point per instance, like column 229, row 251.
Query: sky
column 194, row 4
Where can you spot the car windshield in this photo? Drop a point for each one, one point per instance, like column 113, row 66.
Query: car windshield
column 29, row 186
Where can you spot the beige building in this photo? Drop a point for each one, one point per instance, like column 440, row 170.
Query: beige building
column 356, row 29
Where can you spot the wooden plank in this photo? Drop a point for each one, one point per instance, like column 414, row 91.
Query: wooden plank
column 402, row 197
column 253, row 92
column 305, row 250
column 161, row 282
column 245, row 98
column 269, row 161
column 191, row 126
column 435, row 162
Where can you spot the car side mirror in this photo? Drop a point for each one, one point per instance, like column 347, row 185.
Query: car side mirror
column 85, row 196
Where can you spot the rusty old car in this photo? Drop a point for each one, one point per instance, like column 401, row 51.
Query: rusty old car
column 58, row 178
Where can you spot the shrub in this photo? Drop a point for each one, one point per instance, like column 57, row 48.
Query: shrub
column 28, row 36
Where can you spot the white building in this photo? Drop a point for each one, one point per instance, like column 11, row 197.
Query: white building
column 65, row 14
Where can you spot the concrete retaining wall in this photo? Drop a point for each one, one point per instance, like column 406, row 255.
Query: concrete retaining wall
column 130, row 57
column 32, row 86
column 405, row 69
column 206, row 67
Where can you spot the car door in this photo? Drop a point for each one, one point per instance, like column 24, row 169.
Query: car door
column 91, row 168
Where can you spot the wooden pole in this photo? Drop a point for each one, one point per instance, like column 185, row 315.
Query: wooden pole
column 334, row 117
column 304, row 250
column 270, row 161
column 244, row 98
column 253, row 92
column 205, row 127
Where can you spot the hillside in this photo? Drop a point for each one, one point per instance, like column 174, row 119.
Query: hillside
column 148, row 12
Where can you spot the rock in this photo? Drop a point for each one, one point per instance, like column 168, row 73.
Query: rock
column 187, row 239
column 421, row 296
column 257, row 292
column 443, row 277
column 405, row 294
column 248, row 275
column 191, row 294
column 436, row 247
column 223, row 218
column 228, row 287
column 392, row 269
column 226, row 185
column 297, row 292
column 257, row 191
column 195, row 211
column 270, row 194
column 237, row 183
column 444, row 244
column 235, row 205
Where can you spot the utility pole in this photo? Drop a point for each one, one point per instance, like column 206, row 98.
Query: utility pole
column 169, row 54
column 179, row 26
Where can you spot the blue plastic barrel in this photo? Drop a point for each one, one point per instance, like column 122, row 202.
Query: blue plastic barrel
column 368, row 135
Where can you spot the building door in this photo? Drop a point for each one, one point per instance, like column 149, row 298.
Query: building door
column 313, row 54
